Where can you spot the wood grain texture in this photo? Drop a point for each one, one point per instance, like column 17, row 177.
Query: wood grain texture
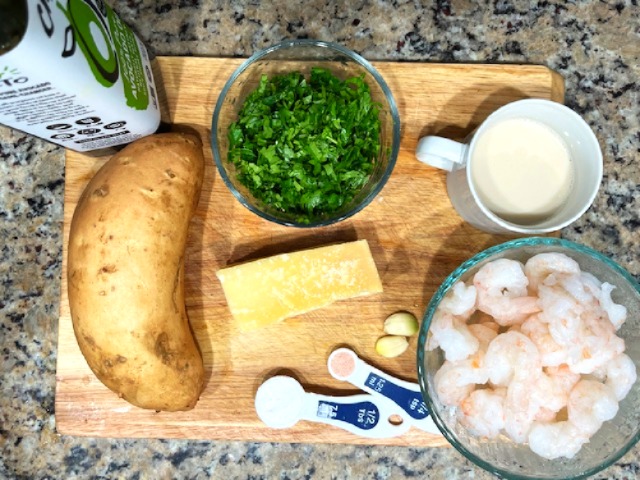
column 415, row 236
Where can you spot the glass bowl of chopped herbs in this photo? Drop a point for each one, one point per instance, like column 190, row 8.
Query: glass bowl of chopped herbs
column 305, row 133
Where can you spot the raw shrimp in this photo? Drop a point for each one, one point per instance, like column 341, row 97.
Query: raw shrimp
column 590, row 404
column 520, row 409
column 452, row 336
column 460, row 301
column 582, row 317
column 555, row 440
column 562, row 313
column 599, row 374
column 540, row 266
column 617, row 313
column 551, row 353
column 482, row 412
column 545, row 414
column 502, row 292
column 563, row 378
column 500, row 275
column 602, row 292
column 597, row 344
column 590, row 293
column 509, row 353
column 484, row 334
column 581, row 287
column 591, row 282
column 538, row 397
column 454, row 381
column 621, row 375
column 550, row 391
column 557, row 373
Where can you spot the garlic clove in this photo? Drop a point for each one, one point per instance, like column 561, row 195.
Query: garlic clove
column 401, row 323
column 391, row 345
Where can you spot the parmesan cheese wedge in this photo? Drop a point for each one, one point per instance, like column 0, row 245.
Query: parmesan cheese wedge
column 269, row 290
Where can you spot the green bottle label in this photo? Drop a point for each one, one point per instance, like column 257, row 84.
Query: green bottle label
column 133, row 77
column 109, row 47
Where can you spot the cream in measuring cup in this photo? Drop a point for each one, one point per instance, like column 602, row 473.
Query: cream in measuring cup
column 522, row 170
column 533, row 166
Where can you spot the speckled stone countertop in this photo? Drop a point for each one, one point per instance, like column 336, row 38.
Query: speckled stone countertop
column 594, row 45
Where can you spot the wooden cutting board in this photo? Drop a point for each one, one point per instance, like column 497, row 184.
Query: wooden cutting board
column 416, row 239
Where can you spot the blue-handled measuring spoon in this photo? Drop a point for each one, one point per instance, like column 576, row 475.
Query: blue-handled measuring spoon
column 346, row 366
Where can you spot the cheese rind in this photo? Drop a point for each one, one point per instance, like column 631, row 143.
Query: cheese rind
column 269, row 290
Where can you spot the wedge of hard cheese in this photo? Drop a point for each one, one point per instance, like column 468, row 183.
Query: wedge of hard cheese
column 269, row 290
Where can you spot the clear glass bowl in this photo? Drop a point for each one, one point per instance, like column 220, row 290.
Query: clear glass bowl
column 302, row 55
column 501, row 456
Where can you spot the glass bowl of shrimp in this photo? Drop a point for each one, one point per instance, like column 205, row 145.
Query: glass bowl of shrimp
column 527, row 359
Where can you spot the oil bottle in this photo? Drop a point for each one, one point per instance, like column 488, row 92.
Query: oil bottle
column 73, row 73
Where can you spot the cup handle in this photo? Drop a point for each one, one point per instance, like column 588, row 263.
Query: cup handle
column 440, row 152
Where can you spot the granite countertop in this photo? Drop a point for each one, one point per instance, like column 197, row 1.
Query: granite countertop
column 594, row 45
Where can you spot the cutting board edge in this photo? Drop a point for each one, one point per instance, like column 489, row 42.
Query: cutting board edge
column 327, row 436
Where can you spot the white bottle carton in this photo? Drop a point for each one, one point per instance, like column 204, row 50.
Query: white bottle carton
column 79, row 77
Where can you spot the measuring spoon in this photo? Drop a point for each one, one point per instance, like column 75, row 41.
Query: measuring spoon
column 345, row 365
column 281, row 402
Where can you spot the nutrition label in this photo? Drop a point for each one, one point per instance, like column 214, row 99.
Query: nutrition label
column 41, row 105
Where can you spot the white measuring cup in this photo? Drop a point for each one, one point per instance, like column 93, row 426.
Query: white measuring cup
column 345, row 365
column 460, row 159
column 281, row 402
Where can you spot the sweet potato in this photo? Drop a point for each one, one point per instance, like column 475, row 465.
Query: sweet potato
column 126, row 269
